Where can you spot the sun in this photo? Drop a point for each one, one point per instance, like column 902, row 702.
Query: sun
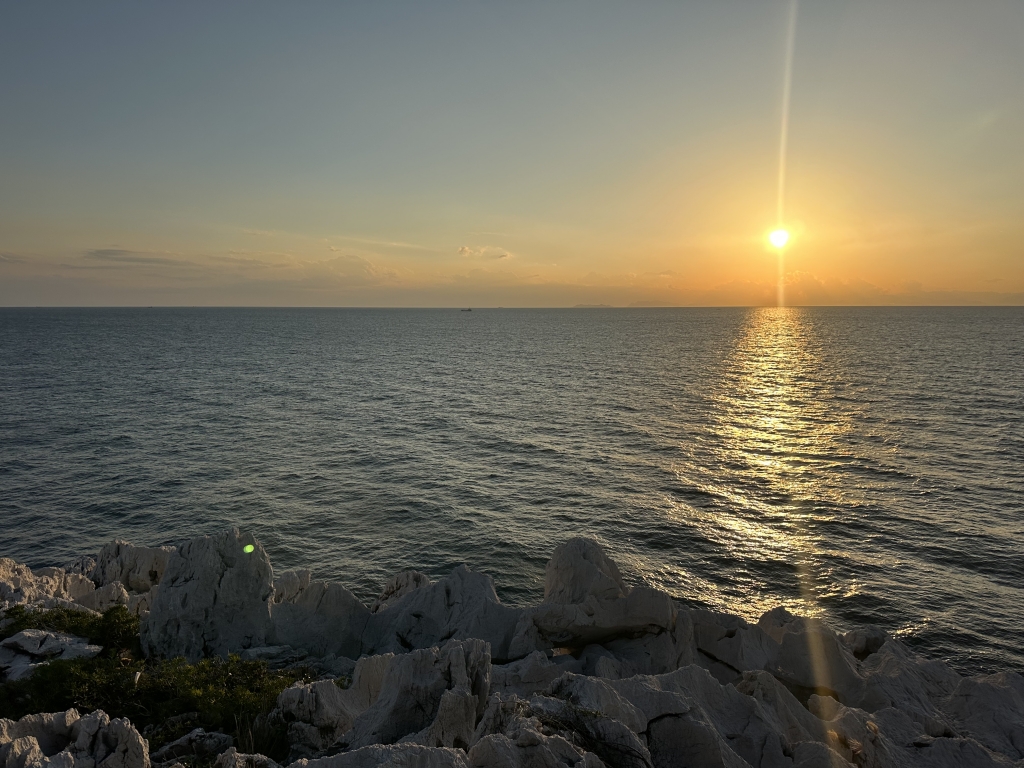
column 779, row 238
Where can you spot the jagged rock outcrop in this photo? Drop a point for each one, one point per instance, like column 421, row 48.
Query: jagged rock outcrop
column 413, row 689
column 320, row 713
column 213, row 599
column 391, row 756
column 41, row 588
column 139, row 569
column 105, row 597
column 398, row 586
column 598, row 674
column 232, row 758
column 67, row 740
column 579, row 569
column 21, row 653
column 198, row 743
column 322, row 618
column 460, row 606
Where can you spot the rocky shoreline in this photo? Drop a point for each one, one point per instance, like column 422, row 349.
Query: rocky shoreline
column 442, row 674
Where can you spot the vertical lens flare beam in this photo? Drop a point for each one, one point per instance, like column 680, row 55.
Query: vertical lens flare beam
column 779, row 237
column 787, row 89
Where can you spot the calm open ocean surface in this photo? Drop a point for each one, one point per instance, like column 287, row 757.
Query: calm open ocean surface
column 866, row 465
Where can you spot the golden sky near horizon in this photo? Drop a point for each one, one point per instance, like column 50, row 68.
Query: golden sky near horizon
column 537, row 155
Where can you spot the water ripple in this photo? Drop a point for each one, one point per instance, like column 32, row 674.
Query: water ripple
column 866, row 465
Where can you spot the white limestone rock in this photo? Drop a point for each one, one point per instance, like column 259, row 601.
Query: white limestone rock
column 896, row 677
column 990, row 710
column 728, row 646
column 531, row 674
column 21, row 653
column 82, row 565
column 597, row 695
column 140, row 602
column 289, row 584
column 213, row 599
column 398, row 586
column 550, row 625
column 412, row 688
column 137, row 568
column 105, row 597
column 649, row 654
column 44, row 587
column 510, row 735
column 863, row 641
column 197, row 743
column 454, row 723
column 319, row 713
column 51, row 731
column 232, row 758
column 579, row 569
column 322, row 618
column 460, row 606
column 812, row 657
column 390, row 756
column 66, row 740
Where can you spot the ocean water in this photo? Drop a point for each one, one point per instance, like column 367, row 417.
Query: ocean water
column 863, row 465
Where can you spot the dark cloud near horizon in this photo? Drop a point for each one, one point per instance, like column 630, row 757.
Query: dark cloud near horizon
column 122, row 256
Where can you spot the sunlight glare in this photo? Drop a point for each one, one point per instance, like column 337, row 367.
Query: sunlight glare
column 779, row 238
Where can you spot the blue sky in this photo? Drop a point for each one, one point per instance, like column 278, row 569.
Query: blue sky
column 520, row 154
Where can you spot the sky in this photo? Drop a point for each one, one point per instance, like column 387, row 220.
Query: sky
column 509, row 154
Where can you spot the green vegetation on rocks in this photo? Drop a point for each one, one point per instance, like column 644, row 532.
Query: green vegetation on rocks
column 117, row 630
column 164, row 698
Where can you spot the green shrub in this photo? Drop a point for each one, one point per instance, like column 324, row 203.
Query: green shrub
column 117, row 630
column 228, row 695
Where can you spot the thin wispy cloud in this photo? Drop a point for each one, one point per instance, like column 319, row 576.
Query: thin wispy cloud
column 123, row 256
column 484, row 252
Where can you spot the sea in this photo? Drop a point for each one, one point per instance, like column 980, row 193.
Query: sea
column 863, row 465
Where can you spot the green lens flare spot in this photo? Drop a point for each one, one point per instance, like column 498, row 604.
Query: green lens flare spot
column 248, row 548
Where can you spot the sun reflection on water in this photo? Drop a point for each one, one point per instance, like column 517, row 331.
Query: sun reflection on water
column 766, row 466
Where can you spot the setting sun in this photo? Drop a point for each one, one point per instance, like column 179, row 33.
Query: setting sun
column 779, row 238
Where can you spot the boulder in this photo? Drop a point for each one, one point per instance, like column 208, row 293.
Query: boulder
column 21, row 653
column 104, row 598
column 289, row 584
column 579, row 569
column 213, row 599
column 510, row 734
column 863, row 641
column 896, row 677
column 596, row 620
column 391, row 756
column 67, row 740
column 398, row 586
column 811, row 658
column 461, row 606
column 531, row 674
column 413, row 686
column 990, row 710
column 43, row 644
column 232, row 758
column 197, row 744
column 44, row 587
column 728, row 646
column 322, row 618
column 137, row 568
column 319, row 713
